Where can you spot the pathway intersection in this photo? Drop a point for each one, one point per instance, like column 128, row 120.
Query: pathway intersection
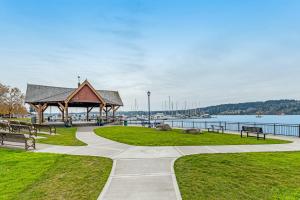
column 147, row 173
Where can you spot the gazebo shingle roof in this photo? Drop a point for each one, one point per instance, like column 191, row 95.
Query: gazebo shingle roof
column 41, row 93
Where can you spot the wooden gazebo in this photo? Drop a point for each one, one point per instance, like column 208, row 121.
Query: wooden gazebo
column 40, row 97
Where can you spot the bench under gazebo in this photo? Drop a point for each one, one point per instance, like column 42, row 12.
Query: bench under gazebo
column 40, row 97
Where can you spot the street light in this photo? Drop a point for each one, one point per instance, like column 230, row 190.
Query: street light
column 148, row 93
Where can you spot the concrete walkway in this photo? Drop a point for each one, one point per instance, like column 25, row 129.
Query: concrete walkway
column 147, row 173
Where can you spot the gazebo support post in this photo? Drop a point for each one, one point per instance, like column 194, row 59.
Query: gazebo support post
column 62, row 115
column 88, row 110
column 115, row 108
column 39, row 117
column 100, row 112
column 43, row 108
column 62, row 110
column 106, row 114
column 42, row 116
column 66, row 111
column 87, row 114
column 40, row 112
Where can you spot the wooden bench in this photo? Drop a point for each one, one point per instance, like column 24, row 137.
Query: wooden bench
column 30, row 125
column 17, row 128
column 28, row 140
column 257, row 131
column 4, row 126
column 216, row 128
column 39, row 127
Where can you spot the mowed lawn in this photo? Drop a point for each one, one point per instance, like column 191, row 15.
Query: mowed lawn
column 239, row 176
column 152, row 137
column 26, row 175
column 64, row 136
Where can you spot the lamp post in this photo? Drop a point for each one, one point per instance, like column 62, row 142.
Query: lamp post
column 149, row 125
column 78, row 77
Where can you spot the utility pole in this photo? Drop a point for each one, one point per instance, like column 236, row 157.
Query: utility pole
column 165, row 108
column 169, row 105
column 149, row 112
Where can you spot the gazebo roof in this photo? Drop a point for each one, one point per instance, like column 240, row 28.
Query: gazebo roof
column 44, row 94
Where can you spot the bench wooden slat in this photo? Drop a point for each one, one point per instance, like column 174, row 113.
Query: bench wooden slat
column 39, row 127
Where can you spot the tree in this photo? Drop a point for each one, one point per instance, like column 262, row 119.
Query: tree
column 15, row 101
column 11, row 101
column 3, row 92
column 3, row 95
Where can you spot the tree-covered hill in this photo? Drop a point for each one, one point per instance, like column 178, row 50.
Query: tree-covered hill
column 273, row 107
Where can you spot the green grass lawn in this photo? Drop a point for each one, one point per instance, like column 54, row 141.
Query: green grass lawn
column 64, row 136
column 239, row 176
column 26, row 175
column 152, row 137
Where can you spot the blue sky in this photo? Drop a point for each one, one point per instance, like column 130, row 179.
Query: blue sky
column 202, row 52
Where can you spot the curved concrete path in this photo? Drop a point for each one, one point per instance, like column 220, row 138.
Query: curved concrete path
column 147, row 173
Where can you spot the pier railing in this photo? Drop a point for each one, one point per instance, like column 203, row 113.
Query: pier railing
column 269, row 128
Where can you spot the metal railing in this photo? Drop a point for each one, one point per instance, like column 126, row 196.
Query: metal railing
column 269, row 128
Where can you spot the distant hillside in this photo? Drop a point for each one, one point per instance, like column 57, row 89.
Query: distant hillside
column 273, row 107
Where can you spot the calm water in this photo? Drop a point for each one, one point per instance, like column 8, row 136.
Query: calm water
column 285, row 124
column 281, row 119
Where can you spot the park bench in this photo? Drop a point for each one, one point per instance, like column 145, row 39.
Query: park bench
column 153, row 124
column 30, row 125
column 256, row 131
column 18, row 128
column 16, row 133
column 44, row 127
column 4, row 126
column 216, row 128
column 28, row 140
